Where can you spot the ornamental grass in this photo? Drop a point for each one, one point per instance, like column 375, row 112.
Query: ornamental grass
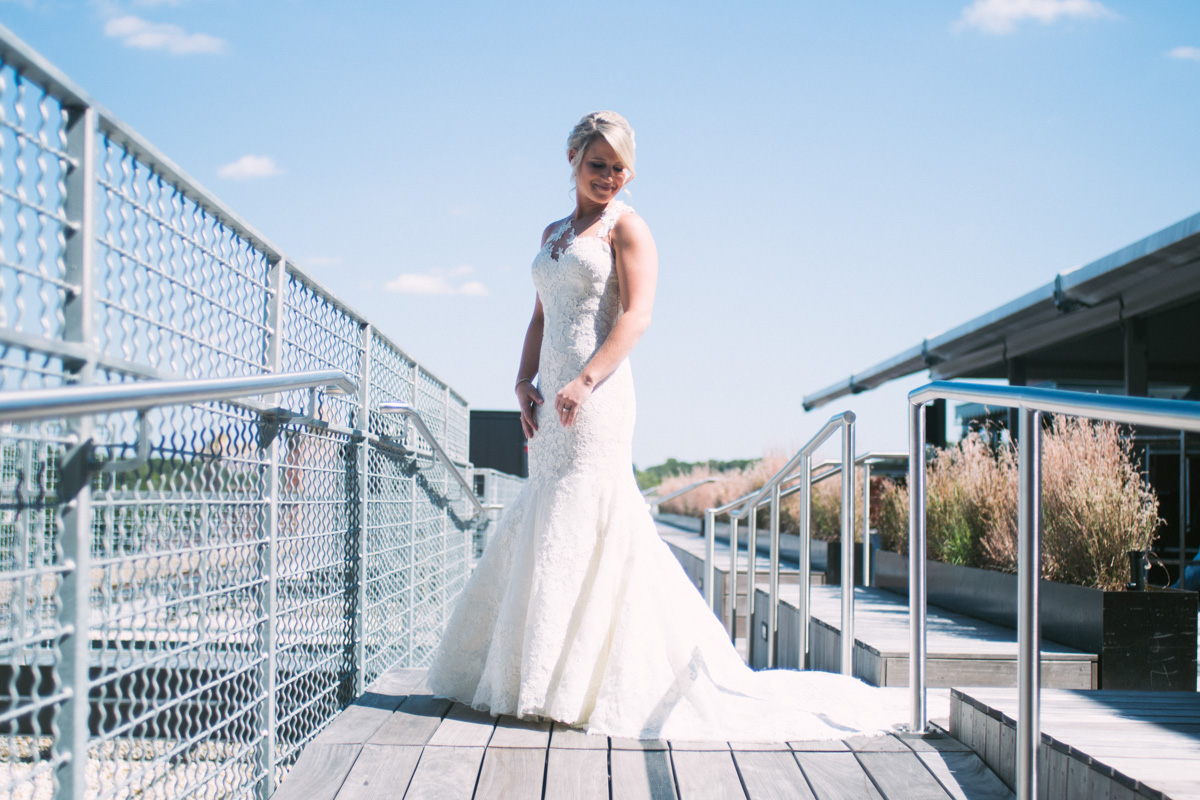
column 1095, row 505
column 735, row 483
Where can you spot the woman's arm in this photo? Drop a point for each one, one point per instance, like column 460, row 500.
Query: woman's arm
column 637, row 276
column 528, row 397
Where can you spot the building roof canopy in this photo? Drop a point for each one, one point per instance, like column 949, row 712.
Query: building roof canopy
column 1072, row 327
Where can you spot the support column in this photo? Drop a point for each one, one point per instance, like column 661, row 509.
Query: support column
column 935, row 423
column 1017, row 376
column 364, row 487
column 1137, row 377
column 79, row 326
column 269, row 538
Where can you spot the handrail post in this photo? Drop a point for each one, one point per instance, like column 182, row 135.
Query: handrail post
column 848, row 547
column 805, row 560
column 751, row 578
column 916, row 564
column 731, row 590
column 79, row 325
column 710, row 546
column 364, row 488
column 1028, row 622
column 866, row 524
column 269, row 631
column 773, row 579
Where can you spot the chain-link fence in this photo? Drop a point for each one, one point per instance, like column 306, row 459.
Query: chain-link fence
column 188, row 596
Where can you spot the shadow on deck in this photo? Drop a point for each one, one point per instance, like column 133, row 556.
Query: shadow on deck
column 397, row 741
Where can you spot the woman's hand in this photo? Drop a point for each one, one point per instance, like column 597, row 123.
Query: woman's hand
column 528, row 399
column 570, row 398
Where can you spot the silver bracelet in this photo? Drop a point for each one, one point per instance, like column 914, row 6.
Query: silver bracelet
column 523, row 380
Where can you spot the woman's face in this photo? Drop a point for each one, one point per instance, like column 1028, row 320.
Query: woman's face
column 601, row 173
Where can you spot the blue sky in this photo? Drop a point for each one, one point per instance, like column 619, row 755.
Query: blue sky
column 827, row 183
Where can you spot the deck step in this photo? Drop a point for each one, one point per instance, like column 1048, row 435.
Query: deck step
column 1111, row 744
column 960, row 650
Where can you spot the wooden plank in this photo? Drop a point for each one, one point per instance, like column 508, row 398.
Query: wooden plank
column 759, row 746
column 638, row 744
column 464, row 726
column 567, row 738
column 877, row 744
column 706, row 775
column 577, row 774
column 902, row 776
column 400, row 681
column 837, row 776
column 642, row 775
column 381, row 772
column 444, row 772
column 318, row 773
column 513, row 732
column 933, row 743
column 772, row 775
column 359, row 721
column 414, row 722
column 1056, row 765
column 965, row 776
column 699, row 746
column 511, row 773
column 819, row 746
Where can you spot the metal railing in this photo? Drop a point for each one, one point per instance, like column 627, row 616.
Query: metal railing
column 134, row 611
column 1031, row 403
column 656, row 501
column 411, row 414
column 865, row 461
column 770, row 493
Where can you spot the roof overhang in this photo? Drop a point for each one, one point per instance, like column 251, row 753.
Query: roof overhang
column 1151, row 275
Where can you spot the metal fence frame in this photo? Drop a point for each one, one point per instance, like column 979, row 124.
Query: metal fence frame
column 1030, row 403
column 115, row 266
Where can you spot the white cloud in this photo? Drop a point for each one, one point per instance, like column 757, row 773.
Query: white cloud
column 1185, row 53
column 250, row 166
column 437, row 281
column 1003, row 16
column 143, row 34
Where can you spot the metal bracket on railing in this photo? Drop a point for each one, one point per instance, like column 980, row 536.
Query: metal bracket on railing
column 141, row 450
column 410, row 413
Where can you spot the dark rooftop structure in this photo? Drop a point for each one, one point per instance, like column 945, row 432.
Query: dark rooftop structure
column 1129, row 321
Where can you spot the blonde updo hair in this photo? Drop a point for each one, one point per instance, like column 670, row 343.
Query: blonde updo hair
column 613, row 128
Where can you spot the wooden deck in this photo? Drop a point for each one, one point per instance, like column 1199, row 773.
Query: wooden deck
column 399, row 742
column 960, row 650
column 1100, row 744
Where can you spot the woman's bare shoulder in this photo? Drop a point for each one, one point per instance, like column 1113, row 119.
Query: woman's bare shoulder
column 630, row 227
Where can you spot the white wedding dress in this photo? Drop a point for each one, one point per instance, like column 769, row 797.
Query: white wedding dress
column 577, row 610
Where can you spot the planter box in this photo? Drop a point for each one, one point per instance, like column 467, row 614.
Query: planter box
column 1144, row 640
column 833, row 561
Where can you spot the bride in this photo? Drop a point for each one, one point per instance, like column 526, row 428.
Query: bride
column 577, row 611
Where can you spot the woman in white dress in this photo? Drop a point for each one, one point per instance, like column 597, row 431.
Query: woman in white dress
column 577, row 610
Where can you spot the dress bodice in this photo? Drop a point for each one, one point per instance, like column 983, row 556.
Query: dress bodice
column 576, row 279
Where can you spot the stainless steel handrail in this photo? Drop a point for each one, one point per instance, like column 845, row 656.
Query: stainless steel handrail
column 749, row 508
column 1031, row 404
column 865, row 461
column 710, row 545
column 24, row 405
column 413, row 416
column 654, row 501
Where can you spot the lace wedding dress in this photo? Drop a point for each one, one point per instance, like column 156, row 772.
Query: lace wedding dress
column 577, row 610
